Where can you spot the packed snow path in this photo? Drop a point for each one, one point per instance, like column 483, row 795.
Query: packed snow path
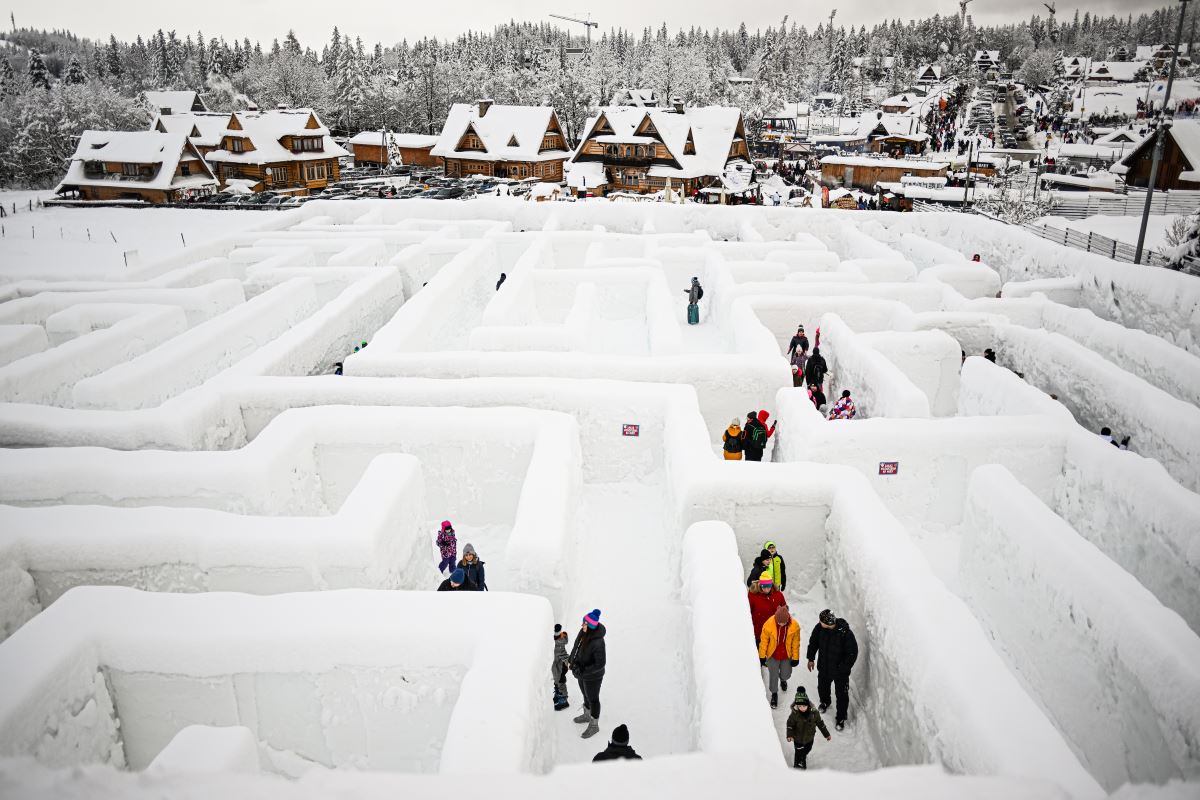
column 570, row 424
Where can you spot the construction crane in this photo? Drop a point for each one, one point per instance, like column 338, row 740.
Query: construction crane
column 587, row 23
column 962, row 8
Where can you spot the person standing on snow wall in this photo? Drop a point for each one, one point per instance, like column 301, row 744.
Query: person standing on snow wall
column 587, row 662
column 695, row 293
column 447, row 543
column 833, row 643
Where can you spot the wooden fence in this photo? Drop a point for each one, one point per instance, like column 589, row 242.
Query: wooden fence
column 1090, row 204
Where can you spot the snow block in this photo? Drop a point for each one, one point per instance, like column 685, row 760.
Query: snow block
column 1118, row 672
column 877, row 385
column 204, row 748
column 18, row 341
column 969, row 279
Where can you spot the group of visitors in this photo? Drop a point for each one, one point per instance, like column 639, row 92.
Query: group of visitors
column 468, row 574
column 1107, row 435
column 832, row 651
column 748, row 439
column 811, row 371
column 337, row 366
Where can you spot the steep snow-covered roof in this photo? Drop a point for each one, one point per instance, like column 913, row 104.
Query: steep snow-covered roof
column 1145, row 52
column 204, row 129
column 894, row 125
column 931, row 70
column 176, row 102
column 987, row 55
column 165, row 150
column 508, row 133
column 903, row 99
column 264, row 129
column 399, row 139
column 1120, row 136
column 642, row 98
column 1122, row 71
column 1186, row 135
column 712, row 128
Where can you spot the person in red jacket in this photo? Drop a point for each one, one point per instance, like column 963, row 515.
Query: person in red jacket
column 763, row 603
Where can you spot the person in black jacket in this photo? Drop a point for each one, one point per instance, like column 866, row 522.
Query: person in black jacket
column 834, row 650
column 800, row 340
column 457, row 582
column 618, row 747
column 587, row 661
column 758, row 566
column 754, row 442
column 816, row 368
column 473, row 568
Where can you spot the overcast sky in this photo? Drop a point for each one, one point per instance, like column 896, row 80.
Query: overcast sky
column 390, row 21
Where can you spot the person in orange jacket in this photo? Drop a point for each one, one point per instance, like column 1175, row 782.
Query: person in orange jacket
column 779, row 650
column 733, row 441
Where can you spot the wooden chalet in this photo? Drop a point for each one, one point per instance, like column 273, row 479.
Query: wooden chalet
column 1159, row 55
column 149, row 166
column 893, row 134
column 639, row 98
column 928, row 74
column 413, row 149
column 639, row 150
column 284, row 150
column 1180, row 165
column 204, row 129
column 502, row 141
column 986, row 59
column 863, row 172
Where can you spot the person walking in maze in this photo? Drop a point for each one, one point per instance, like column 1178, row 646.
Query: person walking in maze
column 763, row 602
column 776, row 567
column 761, row 564
column 618, row 747
column 816, row 395
column 695, row 293
column 802, row 726
column 732, row 441
column 816, row 368
column 447, row 543
column 799, row 341
column 473, row 568
column 587, row 661
column 757, row 434
column 457, row 582
column 779, row 650
column 799, row 362
column 833, row 649
column 558, row 668
column 844, row 407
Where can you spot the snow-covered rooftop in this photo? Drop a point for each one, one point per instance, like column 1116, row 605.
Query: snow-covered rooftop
column 266, row 129
column 411, row 140
column 508, row 133
column 712, row 130
column 175, row 102
column 204, row 129
column 163, row 151
column 916, row 165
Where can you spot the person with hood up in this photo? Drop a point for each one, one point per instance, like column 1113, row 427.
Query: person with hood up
column 473, row 567
column 558, row 668
column 779, row 650
column 763, row 603
column 618, row 747
column 457, row 582
column 844, row 407
column 447, row 543
column 799, row 341
column 816, row 368
column 733, row 441
column 816, row 395
column 833, row 649
column 761, row 564
column 763, row 432
column 586, row 662
column 802, row 725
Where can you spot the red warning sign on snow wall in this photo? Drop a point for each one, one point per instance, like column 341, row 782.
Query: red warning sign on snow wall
column 889, row 467
column 631, row 430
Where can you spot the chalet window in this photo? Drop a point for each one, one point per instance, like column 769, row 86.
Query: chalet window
column 132, row 170
column 237, row 145
column 611, row 149
column 307, row 144
column 185, row 168
column 315, row 172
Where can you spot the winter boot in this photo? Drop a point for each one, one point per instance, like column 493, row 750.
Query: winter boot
column 841, row 725
column 774, row 699
column 782, row 685
column 592, row 729
column 586, row 716
column 560, row 702
column 823, row 707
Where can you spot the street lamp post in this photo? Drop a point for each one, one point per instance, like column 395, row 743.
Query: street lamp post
column 1160, row 137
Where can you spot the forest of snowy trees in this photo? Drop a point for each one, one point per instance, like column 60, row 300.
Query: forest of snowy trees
column 53, row 85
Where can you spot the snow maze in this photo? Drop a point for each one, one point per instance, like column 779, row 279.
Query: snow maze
column 217, row 556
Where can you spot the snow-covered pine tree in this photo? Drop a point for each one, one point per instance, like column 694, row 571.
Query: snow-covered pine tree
column 8, row 79
column 39, row 76
column 74, row 73
column 113, row 63
column 97, row 59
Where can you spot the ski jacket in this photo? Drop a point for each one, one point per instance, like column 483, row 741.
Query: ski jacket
column 777, row 568
column 843, row 409
column 466, row 586
column 749, row 434
column 815, row 369
column 834, row 649
column 447, row 543
column 763, row 416
column 560, row 649
column 800, row 360
column 475, row 571
column 732, row 437
column 762, row 608
column 616, row 751
column 802, row 728
column 799, row 342
column 768, row 639
column 757, row 568
column 588, row 656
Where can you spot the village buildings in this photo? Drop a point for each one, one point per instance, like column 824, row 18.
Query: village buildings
column 146, row 166
column 283, row 150
column 517, row 142
column 371, row 148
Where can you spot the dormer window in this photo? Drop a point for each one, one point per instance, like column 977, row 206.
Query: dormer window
column 237, row 145
column 307, row 144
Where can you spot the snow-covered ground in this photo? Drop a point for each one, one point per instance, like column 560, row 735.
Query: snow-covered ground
column 1123, row 229
column 176, row 427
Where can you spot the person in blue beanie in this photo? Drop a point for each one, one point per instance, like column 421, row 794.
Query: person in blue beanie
column 587, row 662
column 457, row 582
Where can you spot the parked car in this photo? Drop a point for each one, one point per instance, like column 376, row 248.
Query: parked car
column 451, row 193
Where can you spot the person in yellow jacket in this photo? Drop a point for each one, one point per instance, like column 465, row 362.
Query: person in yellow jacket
column 733, row 439
column 776, row 567
column 779, row 650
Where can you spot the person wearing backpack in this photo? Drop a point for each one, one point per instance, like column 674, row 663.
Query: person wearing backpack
column 695, row 294
column 756, row 438
column 816, row 368
column 732, row 438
